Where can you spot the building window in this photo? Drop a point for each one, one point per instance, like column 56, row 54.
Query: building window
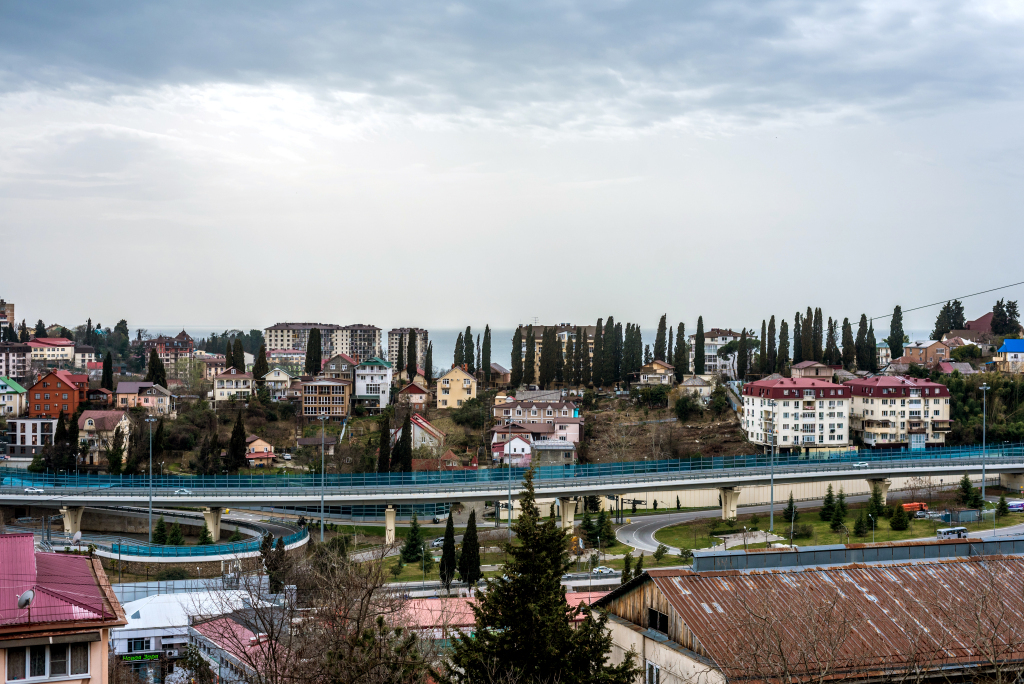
column 37, row 662
column 657, row 621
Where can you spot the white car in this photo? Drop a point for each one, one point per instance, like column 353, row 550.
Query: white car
column 34, row 490
column 287, row 457
column 603, row 570
column 861, row 464
column 182, row 492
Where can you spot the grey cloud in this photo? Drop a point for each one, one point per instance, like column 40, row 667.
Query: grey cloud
column 547, row 64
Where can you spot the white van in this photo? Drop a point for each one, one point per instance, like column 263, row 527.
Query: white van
column 951, row 533
column 1015, row 506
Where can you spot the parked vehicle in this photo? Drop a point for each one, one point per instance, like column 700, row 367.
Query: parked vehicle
column 914, row 506
column 287, row 457
column 861, row 464
column 1015, row 506
column 437, row 543
column 951, row 533
column 603, row 570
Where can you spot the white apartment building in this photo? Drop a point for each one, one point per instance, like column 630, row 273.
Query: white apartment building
column 373, row 384
column 797, row 412
column 296, row 336
column 893, row 412
column 714, row 339
column 15, row 359
column 359, row 341
column 399, row 337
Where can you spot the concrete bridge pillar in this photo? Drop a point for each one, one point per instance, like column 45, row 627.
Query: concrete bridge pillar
column 730, row 498
column 212, row 517
column 1012, row 481
column 568, row 508
column 389, row 524
column 72, row 519
column 883, row 487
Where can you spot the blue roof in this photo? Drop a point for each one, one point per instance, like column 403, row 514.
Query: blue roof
column 1012, row 346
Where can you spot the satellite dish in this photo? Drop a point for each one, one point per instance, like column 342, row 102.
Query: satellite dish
column 77, row 538
column 25, row 600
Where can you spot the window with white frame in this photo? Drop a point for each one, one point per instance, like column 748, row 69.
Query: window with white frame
column 47, row 661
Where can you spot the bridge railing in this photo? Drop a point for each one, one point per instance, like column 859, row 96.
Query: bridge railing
column 229, row 549
column 15, row 477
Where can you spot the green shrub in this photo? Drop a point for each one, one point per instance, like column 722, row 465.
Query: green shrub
column 803, row 531
column 171, row 574
column 660, row 552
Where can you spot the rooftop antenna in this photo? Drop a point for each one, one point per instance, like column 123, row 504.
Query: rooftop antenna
column 25, row 602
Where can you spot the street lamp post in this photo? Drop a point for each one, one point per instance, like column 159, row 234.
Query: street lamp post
column 984, row 451
column 323, row 471
column 150, row 421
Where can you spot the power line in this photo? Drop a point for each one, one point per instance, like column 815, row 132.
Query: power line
column 916, row 308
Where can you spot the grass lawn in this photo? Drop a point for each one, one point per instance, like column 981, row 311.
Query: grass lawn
column 429, row 533
column 682, row 536
column 413, row 573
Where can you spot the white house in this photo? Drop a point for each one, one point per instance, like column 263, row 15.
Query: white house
column 277, row 382
column 423, row 434
column 373, row 384
column 797, row 412
column 517, row 450
column 231, row 384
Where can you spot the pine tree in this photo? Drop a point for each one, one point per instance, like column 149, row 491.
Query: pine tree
column 524, row 627
column 807, row 331
column 160, row 531
column 428, row 362
column 40, row 328
column 828, row 505
column 679, row 359
column 517, row 358
column 659, row 339
column 447, row 567
column 782, row 357
column 638, row 569
column 239, row 354
column 698, row 348
column 469, row 356
column 487, row 354
column 603, row 528
column 175, row 536
column 876, row 507
column 849, row 347
column 956, row 316
column 204, row 536
column 899, row 520
column 895, row 339
column 412, row 354
column 469, row 559
column 108, row 373
column 314, row 362
column 530, row 365
column 384, row 443
column 1000, row 320
column 587, row 527
column 861, row 345
column 627, row 568
column 597, row 361
column 943, row 322
column 609, row 348
column 762, row 352
column 1002, row 508
column 741, row 357
column 964, row 493
column 229, row 356
column 790, row 513
column 236, row 536
column 817, row 331
column 460, row 352
column 236, row 447
column 860, row 527
column 156, row 373
column 798, row 336
column 412, row 549
column 771, row 348
column 838, row 519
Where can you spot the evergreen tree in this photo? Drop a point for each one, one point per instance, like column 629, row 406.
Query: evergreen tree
column 609, row 347
column 107, row 382
column 11, row 335
column 895, row 339
column 229, row 356
column 412, row 353
column 586, row 375
column 239, row 354
column 861, row 345
column 956, row 316
column 548, row 352
column 412, row 549
column 833, row 357
column 841, row 503
column 999, row 318
column 259, row 366
column 900, row 520
column 160, row 531
column 849, row 347
column 477, row 353
column 487, row 354
column 524, row 628
column 280, row 570
column 943, row 322
column 175, row 536
column 559, row 359
column 469, row 559
column 1002, row 508
column 517, row 358
column 236, row 447
column 807, row 336
column 570, row 363
column 860, row 527
column 876, row 507
column 401, row 455
column 603, row 528
column 619, row 351
column 659, row 339
column 447, row 567
column 670, row 348
column 838, row 519
column 648, row 357
column 204, row 536
column 790, row 513
column 679, row 357
column 698, row 348
column 580, row 350
column 40, row 328
column 314, row 362
column 156, row 373
column 762, row 352
column 870, row 349
column 587, row 527
column 782, row 356
column 236, row 536
column 798, row 336
column 428, row 362
column 741, row 357
column 638, row 569
column 384, row 443
column 460, row 351
column 401, row 356
column 627, row 568
column 469, row 356
column 115, row 453
column 818, row 335
column 23, row 332
column 597, row 361
column 964, row 493
column 530, row 365
column 771, row 349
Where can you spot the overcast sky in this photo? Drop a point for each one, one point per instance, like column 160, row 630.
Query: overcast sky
column 442, row 164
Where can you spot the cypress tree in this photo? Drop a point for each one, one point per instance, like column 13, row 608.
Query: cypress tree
column 384, row 443
column 956, row 316
column 782, row 356
column 530, row 365
column 798, row 336
column 412, row 549
column 659, row 339
column 670, row 348
column 460, row 351
column 597, row 362
column 849, row 346
column 608, row 351
column 581, row 347
column 236, row 446
column 40, row 328
column 12, row 334
column 679, row 359
column 828, row 505
column 314, row 362
column 404, row 445
column 698, row 348
column 517, row 358
column 741, row 356
column 618, row 352
column 23, row 332
column 807, row 336
column 547, row 357
column 943, row 322
column 771, row 348
column 411, row 356
column 401, row 356
column 428, row 362
column 818, row 334
column 861, row 345
column 160, row 531
column 108, row 373
column 487, row 354
column 762, row 359
column 155, row 372
column 586, row 376
column 229, row 356
column 447, row 568
column 469, row 356
column 115, row 453
column 570, row 363
column 469, row 559
column 832, row 354
column 896, row 334
column 870, row 349
column 259, row 366
column 648, row 356
column 240, row 354
column 175, row 536
column 524, row 628
column 559, row 358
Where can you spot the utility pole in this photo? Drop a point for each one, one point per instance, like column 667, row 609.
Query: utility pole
column 323, row 473
column 984, row 450
column 150, row 421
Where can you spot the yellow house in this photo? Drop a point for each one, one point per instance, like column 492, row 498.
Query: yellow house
column 259, row 452
column 455, row 388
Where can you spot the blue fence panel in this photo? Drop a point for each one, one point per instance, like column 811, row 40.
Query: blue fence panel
column 194, row 551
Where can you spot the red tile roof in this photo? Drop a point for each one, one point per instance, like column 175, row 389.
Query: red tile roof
column 103, row 420
column 781, row 388
column 895, row 385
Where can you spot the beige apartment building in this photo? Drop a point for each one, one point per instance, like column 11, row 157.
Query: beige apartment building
column 296, row 336
column 894, row 412
column 399, row 337
column 454, row 388
column 924, row 353
column 329, row 397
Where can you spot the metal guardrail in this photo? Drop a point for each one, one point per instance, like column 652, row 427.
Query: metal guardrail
column 229, row 549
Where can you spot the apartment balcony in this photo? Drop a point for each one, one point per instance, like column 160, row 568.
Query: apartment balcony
column 872, row 423
column 942, row 425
